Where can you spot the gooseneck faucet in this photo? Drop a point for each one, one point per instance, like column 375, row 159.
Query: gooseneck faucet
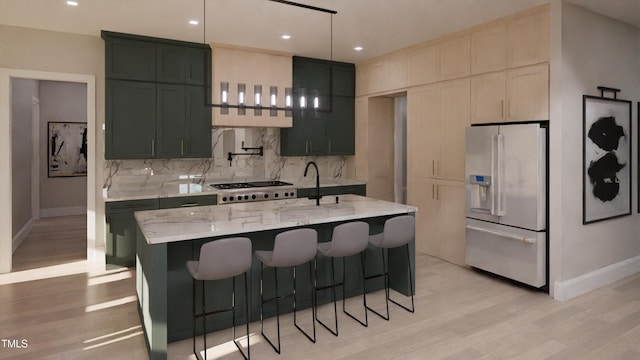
column 317, row 195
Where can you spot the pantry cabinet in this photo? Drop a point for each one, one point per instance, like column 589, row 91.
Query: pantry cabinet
column 437, row 116
column 440, row 229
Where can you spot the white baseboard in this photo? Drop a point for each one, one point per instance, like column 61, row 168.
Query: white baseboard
column 568, row 289
column 64, row 211
column 21, row 235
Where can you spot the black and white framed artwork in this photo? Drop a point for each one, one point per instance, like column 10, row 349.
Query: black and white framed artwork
column 606, row 158
column 67, row 150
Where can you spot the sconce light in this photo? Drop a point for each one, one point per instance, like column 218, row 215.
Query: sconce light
column 303, row 99
column 242, row 90
column 257, row 98
column 273, row 100
column 224, row 97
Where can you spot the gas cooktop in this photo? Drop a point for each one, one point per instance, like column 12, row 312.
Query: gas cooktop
column 251, row 184
column 254, row 191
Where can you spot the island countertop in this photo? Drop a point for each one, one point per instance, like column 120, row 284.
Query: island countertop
column 171, row 225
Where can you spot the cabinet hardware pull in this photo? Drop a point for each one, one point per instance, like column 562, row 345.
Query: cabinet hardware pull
column 433, row 191
column 306, row 146
column 181, row 147
column 433, row 167
column 437, row 192
column 189, row 204
column 153, row 148
column 502, row 108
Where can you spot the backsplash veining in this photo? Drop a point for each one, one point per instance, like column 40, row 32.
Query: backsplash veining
column 270, row 166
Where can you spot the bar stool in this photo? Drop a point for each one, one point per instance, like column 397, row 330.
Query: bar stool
column 346, row 240
column 221, row 259
column 398, row 231
column 291, row 248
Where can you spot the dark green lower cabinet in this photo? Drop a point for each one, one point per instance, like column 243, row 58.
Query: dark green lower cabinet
column 120, row 244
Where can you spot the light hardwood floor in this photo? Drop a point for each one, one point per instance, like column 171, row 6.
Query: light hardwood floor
column 460, row 314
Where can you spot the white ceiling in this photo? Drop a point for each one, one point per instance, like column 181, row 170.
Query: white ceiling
column 379, row 26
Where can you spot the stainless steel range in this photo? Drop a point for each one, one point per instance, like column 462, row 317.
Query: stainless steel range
column 254, row 191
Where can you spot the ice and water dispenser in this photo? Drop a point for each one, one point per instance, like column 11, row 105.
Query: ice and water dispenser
column 480, row 196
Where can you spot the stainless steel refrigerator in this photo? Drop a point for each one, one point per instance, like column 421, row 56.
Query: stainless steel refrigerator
column 506, row 201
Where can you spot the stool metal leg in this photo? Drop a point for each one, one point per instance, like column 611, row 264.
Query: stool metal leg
column 204, row 321
column 386, row 286
column 235, row 341
column 364, row 323
column 313, row 305
column 333, row 297
column 275, row 271
column 412, row 309
column 193, row 308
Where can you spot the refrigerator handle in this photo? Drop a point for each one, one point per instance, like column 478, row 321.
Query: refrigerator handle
column 492, row 186
column 524, row 239
column 501, row 211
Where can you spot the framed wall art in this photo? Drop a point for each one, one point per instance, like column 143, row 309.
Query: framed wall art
column 607, row 159
column 67, row 149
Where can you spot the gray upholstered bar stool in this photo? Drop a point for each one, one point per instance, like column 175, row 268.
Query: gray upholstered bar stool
column 346, row 240
column 398, row 231
column 291, row 248
column 221, row 259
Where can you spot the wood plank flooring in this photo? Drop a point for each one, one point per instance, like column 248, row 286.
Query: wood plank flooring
column 460, row 314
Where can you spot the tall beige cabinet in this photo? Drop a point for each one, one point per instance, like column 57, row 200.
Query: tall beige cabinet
column 492, row 73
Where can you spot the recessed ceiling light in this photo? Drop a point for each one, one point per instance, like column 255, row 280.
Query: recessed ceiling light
column 286, row 37
column 193, row 22
column 358, row 48
column 72, row 3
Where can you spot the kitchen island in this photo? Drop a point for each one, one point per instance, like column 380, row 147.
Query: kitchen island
column 168, row 238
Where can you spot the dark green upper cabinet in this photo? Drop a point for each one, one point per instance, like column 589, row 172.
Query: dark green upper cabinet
column 130, row 59
column 329, row 129
column 130, row 129
column 158, row 112
column 180, row 65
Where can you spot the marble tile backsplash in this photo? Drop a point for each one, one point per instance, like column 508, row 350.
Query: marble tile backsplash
column 270, row 166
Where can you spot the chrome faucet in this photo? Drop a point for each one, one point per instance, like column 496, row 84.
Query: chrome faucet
column 317, row 196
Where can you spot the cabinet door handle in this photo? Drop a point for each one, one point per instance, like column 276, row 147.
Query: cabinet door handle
column 153, row 148
column 433, row 167
column 433, row 191
column 502, row 108
column 437, row 192
column 306, row 146
column 189, row 204
column 181, row 147
column 329, row 146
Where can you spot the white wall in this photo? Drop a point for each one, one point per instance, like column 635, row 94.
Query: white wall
column 61, row 102
column 22, row 93
column 595, row 51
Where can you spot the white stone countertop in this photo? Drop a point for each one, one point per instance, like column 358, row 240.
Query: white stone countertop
column 170, row 225
column 152, row 187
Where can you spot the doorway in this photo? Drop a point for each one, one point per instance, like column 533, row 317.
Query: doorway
column 387, row 147
column 6, row 180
